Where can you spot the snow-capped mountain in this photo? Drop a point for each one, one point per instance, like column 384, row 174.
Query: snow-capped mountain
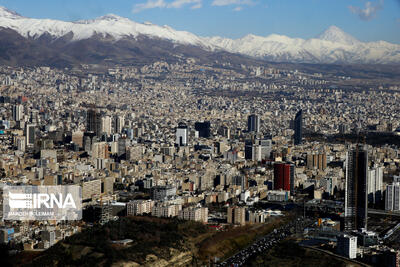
column 109, row 25
column 336, row 35
column 331, row 46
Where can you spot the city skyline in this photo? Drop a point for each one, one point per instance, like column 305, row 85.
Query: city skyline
column 130, row 138
column 366, row 20
column 217, row 144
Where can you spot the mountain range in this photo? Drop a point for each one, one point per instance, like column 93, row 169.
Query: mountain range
column 26, row 41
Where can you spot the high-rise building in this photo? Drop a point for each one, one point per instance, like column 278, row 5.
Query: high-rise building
column 375, row 180
column 392, row 200
column 241, row 181
column 122, row 145
column 77, row 138
column 198, row 214
column 119, row 123
column 181, row 135
column 284, row 177
column 266, row 147
column 18, row 112
column 248, row 150
column 163, row 192
column 20, row 143
column 347, row 246
column 204, row 129
column 30, row 135
column 317, row 161
column 106, row 125
column 328, row 184
column 91, row 189
column 258, row 150
column 49, row 236
column 356, row 201
column 343, row 128
column 162, row 209
column 139, row 207
column 224, row 131
column 298, row 128
column 236, row 215
column 322, row 161
column 93, row 122
column 100, row 150
column 253, row 123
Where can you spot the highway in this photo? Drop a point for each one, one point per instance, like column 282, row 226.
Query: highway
column 279, row 234
column 383, row 212
column 331, row 206
column 266, row 242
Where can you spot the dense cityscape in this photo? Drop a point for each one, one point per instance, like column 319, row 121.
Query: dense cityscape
column 200, row 133
column 217, row 145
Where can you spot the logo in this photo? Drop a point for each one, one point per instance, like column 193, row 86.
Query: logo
column 20, row 201
column 42, row 203
column 36, row 201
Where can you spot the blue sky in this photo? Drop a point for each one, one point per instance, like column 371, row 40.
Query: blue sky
column 366, row 20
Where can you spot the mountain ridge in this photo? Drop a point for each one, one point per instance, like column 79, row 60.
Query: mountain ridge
column 331, row 46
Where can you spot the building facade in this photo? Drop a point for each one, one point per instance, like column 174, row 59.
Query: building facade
column 298, row 128
column 284, row 177
column 356, row 201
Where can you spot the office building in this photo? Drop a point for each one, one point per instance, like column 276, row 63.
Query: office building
column 30, row 135
column 248, row 150
column 93, row 122
column 266, row 147
column 253, row 123
column 284, row 177
column 203, row 128
column 122, row 146
column 356, row 201
column 298, row 128
column 182, row 135
column 106, row 125
column 257, row 151
column 18, row 112
column 347, row 246
column 119, row 123
column 225, row 132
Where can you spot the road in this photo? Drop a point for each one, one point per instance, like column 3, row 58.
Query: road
column 384, row 212
column 266, row 242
